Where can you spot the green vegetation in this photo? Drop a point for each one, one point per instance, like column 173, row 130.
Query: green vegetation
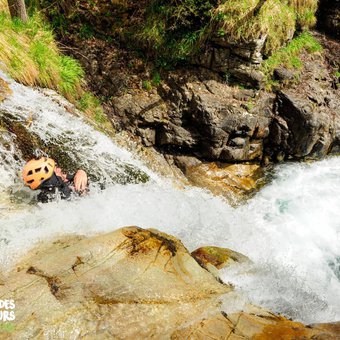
column 154, row 82
column 146, row 84
column 30, row 56
column 289, row 56
column 173, row 31
column 251, row 19
column 305, row 12
column 241, row 20
column 91, row 106
column 176, row 30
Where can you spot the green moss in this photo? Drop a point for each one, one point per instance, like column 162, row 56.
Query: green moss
column 146, row 84
column 289, row 56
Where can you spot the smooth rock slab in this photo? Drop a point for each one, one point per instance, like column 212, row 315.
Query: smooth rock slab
column 126, row 284
column 257, row 324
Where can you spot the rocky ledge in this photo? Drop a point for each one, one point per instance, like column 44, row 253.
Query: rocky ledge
column 134, row 283
column 197, row 112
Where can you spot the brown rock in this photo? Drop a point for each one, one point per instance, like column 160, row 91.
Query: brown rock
column 5, row 90
column 122, row 285
column 257, row 324
column 233, row 181
column 218, row 257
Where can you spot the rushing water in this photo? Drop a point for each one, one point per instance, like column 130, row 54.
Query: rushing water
column 290, row 230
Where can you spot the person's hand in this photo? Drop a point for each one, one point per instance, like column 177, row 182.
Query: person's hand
column 80, row 181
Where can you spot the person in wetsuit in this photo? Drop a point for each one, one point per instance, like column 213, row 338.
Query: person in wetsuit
column 43, row 174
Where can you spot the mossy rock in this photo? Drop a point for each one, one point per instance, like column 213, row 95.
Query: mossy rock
column 218, row 257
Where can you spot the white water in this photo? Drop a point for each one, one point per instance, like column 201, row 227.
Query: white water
column 290, row 230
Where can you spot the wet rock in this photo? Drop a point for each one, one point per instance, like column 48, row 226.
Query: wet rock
column 235, row 182
column 255, row 323
column 218, row 257
column 130, row 283
column 186, row 162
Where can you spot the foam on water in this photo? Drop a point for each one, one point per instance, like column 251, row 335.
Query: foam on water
column 290, row 230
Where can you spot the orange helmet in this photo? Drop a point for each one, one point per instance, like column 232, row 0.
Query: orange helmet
column 37, row 171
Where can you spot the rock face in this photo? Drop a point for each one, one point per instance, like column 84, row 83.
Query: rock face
column 240, row 61
column 257, row 324
column 329, row 16
column 307, row 119
column 129, row 284
column 208, row 119
column 195, row 111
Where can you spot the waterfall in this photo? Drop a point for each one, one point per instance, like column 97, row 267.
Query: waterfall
column 290, row 229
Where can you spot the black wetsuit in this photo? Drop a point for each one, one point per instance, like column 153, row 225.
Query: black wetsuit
column 55, row 186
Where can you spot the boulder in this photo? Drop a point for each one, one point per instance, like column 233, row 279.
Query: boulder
column 218, row 257
column 302, row 129
column 306, row 121
column 131, row 283
column 235, row 182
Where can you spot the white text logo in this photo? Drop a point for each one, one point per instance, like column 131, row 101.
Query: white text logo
column 7, row 310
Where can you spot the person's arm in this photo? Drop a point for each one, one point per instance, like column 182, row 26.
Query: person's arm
column 80, row 181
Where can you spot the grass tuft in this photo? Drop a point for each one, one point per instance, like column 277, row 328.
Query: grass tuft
column 91, row 106
column 243, row 20
column 32, row 57
column 289, row 56
column 29, row 54
column 176, row 30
